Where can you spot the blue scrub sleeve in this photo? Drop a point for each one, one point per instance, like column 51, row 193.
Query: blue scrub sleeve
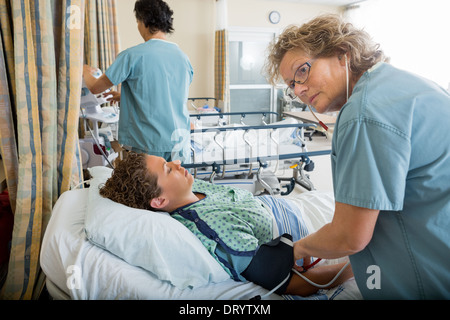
column 370, row 165
column 120, row 69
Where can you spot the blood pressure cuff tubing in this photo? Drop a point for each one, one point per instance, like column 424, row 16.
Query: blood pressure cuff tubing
column 272, row 264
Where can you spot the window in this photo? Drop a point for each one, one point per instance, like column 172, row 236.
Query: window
column 249, row 89
column 413, row 33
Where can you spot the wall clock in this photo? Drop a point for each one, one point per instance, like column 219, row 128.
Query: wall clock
column 274, row 17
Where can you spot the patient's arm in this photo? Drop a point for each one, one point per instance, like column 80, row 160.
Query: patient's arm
column 320, row 275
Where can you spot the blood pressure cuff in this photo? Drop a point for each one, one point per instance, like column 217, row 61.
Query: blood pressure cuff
column 272, row 264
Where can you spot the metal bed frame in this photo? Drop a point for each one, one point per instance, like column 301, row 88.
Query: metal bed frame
column 304, row 164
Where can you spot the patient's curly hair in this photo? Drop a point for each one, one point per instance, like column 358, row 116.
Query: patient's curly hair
column 324, row 36
column 131, row 184
column 155, row 14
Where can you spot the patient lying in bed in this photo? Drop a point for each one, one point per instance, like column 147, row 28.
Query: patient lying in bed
column 231, row 223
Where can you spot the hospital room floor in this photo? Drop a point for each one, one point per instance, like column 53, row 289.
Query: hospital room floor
column 321, row 175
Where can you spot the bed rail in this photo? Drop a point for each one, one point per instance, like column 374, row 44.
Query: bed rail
column 260, row 159
column 260, row 162
column 221, row 115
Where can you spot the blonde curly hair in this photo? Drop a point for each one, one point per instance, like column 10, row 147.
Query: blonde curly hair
column 131, row 184
column 324, row 36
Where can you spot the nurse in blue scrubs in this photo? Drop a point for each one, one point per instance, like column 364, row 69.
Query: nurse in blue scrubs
column 390, row 159
column 155, row 78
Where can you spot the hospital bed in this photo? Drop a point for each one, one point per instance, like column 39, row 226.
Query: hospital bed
column 94, row 248
column 251, row 155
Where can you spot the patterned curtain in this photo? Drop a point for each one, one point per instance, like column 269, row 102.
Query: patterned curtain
column 40, row 76
column 8, row 145
column 101, row 34
column 101, row 37
column 40, row 87
column 221, row 70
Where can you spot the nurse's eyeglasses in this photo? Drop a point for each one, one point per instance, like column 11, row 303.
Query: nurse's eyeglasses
column 300, row 77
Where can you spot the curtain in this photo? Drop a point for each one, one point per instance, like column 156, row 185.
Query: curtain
column 101, row 33
column 221, row 60
column 8, row 148
column 221, row 70
column 101, row 40
column 40, row 89
column 40, row 75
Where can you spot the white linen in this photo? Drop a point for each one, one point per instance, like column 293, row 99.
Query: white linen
column 106, row 276
column 208, row 147
column 83, row 270
column 153, row 241
column 319, row 207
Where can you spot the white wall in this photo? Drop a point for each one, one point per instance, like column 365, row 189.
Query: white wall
column 255, row 13
column 195, row 23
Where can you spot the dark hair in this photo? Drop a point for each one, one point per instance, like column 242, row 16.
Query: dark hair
column 131, row 184
column 155, row 14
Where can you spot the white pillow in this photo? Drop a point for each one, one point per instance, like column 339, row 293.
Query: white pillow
column 153, row 241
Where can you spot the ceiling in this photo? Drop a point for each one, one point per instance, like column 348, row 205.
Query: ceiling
column 325, row 2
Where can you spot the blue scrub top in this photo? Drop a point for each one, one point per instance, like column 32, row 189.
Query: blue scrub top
column 391, row 152
column 155, row 78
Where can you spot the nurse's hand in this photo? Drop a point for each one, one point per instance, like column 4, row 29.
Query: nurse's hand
column 114, row 96
column 300, row 254
column 306, row 262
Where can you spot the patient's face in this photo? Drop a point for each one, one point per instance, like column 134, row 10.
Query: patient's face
column 173, row 179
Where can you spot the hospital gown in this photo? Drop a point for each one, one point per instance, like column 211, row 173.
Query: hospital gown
column 232, row 223
column 391, row 152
